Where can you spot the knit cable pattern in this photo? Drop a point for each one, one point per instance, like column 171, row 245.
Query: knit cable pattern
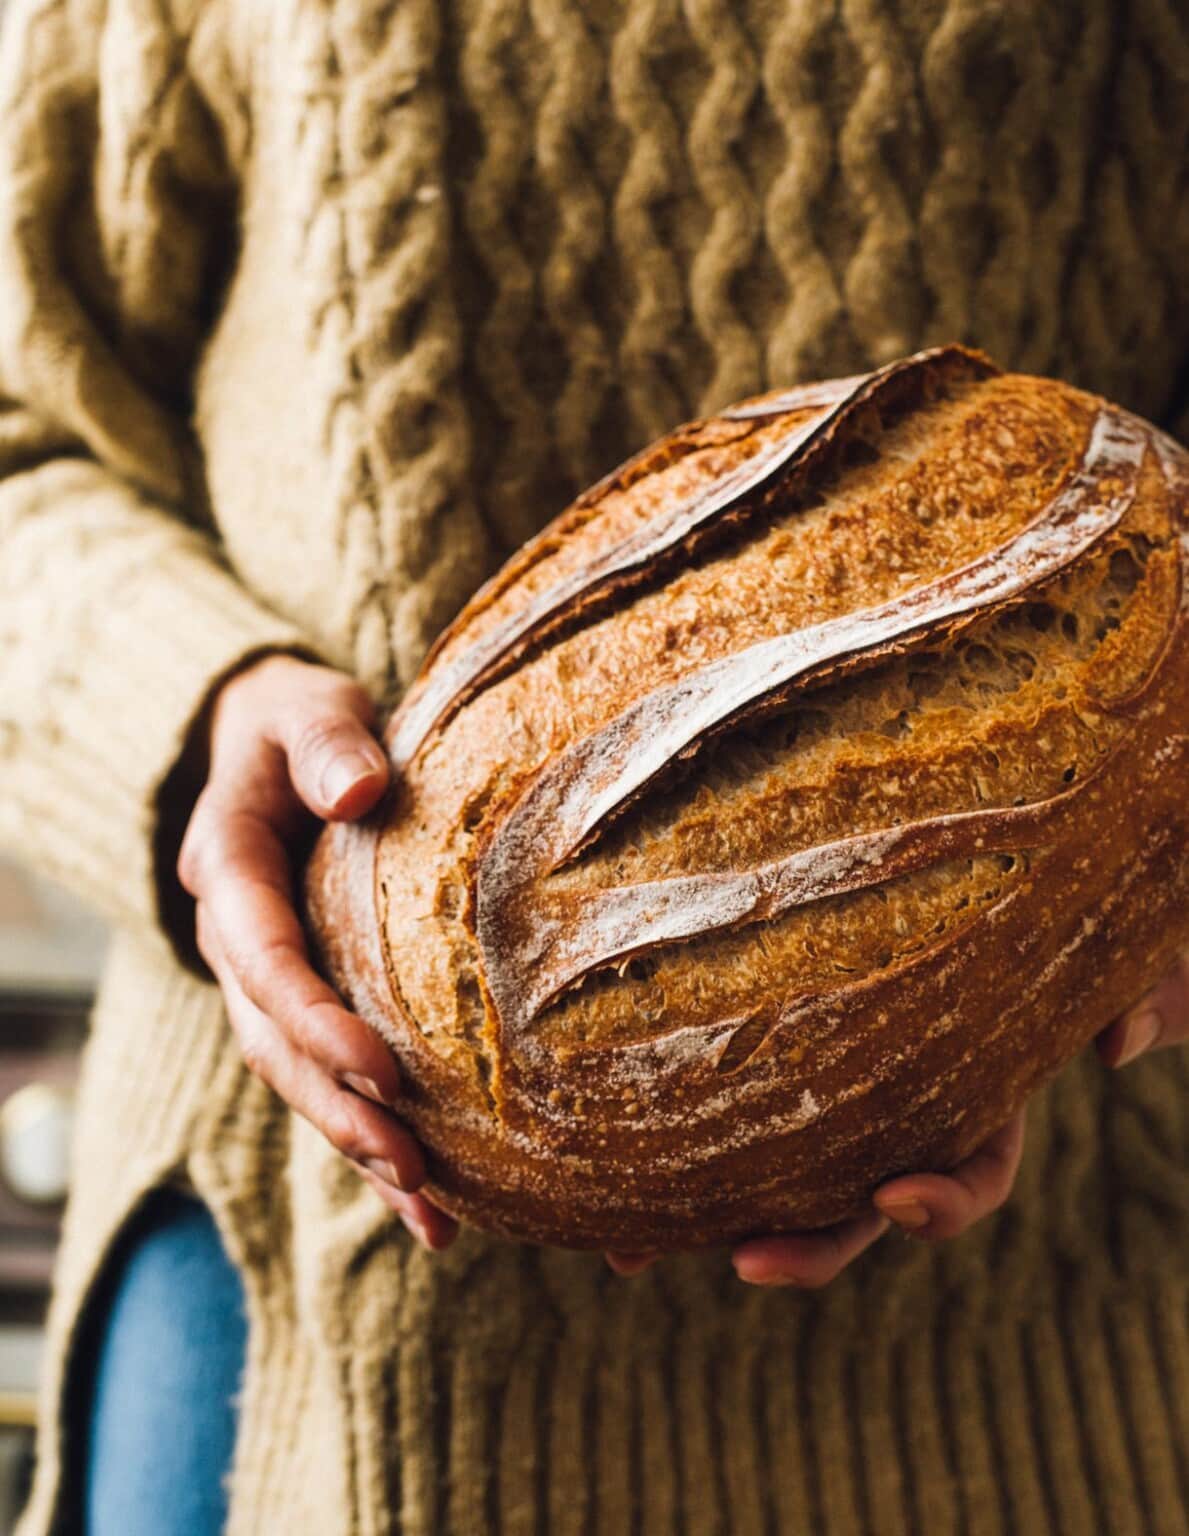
column 483, row 250
column 384, row 328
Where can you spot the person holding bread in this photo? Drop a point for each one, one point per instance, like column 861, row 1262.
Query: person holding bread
column 310, row 316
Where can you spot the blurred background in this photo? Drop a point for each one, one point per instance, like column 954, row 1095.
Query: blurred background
column 50, row 953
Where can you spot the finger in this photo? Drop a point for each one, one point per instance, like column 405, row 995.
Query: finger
column 630, row 1263
column 354, row 1125
column 1161, row 1018
column 808, row 1259
column 243, row 885
column 936, row 1205
column 323, row 722
column 432, row 1227
column 252, row 777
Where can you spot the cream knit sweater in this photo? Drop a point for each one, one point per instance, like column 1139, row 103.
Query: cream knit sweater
column 309, row 311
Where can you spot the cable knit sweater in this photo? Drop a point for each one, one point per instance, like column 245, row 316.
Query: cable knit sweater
column 311, row 310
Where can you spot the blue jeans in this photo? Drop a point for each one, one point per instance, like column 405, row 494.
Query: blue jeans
column 160, row 1361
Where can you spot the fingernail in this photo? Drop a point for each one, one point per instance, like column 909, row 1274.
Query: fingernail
column 909, row 1214
column 384, row 1170
column 366, row 1086
column 415, row 1229
column 766, row 1279
column 625, row 1265
column 344, row 772
column 1142, row 1032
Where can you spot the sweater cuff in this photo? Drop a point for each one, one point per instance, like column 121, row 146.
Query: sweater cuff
column 106, row 795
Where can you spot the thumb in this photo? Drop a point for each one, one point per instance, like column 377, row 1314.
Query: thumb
column 336, row 765
column 1161, row 1018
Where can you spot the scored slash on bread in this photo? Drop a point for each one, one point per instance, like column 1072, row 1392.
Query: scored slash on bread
column 792, row 807
column 678, row 530
column 530, row 957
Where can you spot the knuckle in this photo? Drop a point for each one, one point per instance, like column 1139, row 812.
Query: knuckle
column 194, row 853
column 260, row 972
column 312, row 1033
column 322, row 736
column 203, row 935
column 210, row 841
column 252, row 1050
column 355, row 700
column 954, row 1221
column 186, row 868
column 342, row 1127
column 253, row 1057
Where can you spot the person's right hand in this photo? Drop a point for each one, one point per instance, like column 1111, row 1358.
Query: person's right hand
column 290, row 741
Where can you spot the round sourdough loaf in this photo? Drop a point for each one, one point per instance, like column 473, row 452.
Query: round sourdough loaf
column 811, row 790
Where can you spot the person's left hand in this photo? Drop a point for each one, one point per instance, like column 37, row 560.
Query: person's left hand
column 928, row 1205
column 934, row 1205
column 924, row 1204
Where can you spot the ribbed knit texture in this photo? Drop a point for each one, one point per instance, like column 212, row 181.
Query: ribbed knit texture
column 309, row 312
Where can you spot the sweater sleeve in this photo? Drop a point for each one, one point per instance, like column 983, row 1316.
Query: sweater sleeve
column 118, row 614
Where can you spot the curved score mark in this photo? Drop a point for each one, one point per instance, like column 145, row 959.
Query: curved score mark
column 457, row 680
column 569, row 935
column 601, row 773
column 801, row 397
column 449, row 687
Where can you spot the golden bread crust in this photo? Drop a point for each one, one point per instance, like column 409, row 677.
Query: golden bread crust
column 782, row 816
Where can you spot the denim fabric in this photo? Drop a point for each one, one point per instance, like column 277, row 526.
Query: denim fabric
column 160, row 1367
